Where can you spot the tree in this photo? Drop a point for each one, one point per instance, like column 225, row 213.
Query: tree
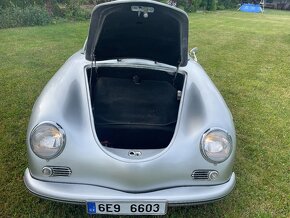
column 195, row 4
column 211, row 5
column 52, row 8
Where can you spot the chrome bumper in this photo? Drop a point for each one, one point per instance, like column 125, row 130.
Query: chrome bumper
column 80, row 193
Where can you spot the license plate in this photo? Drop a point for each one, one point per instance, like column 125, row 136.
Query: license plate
column 127, row 208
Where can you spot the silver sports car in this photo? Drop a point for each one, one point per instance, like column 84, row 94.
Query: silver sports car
column 131, row 124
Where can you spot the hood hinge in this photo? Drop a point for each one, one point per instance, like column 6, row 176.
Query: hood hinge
column 175, row 74
column 93, row 63
column 93, row 57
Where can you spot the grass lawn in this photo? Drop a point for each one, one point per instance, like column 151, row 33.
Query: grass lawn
column 246, row 55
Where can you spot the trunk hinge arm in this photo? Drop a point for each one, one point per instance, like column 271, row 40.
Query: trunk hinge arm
column 93, row 57
column 175, row 75
column 93, row 63
column 92, row 66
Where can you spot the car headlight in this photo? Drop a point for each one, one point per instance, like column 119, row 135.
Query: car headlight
column 47, row 140
column 216, row 145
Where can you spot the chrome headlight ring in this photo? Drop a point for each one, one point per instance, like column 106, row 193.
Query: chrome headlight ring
column 47, row 140
column 216, row 145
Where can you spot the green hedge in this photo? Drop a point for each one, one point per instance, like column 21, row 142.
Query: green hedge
column 28, row 16
column 15, row 13
column 73, row 11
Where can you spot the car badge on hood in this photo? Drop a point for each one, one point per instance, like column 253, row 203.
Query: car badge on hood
column 142, row 9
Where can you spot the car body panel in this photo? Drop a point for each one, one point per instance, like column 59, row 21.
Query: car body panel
column 120, row 29
column 65, row 100
column 80, row 193
column 202, row 108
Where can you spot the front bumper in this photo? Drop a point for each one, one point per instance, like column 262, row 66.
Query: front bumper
column 80, row 193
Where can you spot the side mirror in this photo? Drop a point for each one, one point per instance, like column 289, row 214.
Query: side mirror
column 193, row 53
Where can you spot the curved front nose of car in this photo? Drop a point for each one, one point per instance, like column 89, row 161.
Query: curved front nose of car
column 82, row 193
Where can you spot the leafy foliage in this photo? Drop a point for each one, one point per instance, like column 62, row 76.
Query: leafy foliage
column 28, row 16
column 189, row 5
column 211, row 5
column 74, row 11
column 14, row 13
column 11, row 10
column 20, row 3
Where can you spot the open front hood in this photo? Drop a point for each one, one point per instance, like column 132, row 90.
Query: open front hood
column 138, row 29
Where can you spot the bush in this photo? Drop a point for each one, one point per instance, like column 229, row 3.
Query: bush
column 211, row 5
column 196, row 4
column 185, row 5
column 77, row 14
column 74, row 11
column 221, row 7
column 29, row 16
column 228, row 3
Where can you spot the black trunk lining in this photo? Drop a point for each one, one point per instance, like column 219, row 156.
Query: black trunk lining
column 121, row 101
column 133, row 110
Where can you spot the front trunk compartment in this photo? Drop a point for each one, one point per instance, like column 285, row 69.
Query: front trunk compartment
column 134, row 108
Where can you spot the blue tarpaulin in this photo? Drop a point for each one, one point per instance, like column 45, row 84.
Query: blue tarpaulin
column 251, row 8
